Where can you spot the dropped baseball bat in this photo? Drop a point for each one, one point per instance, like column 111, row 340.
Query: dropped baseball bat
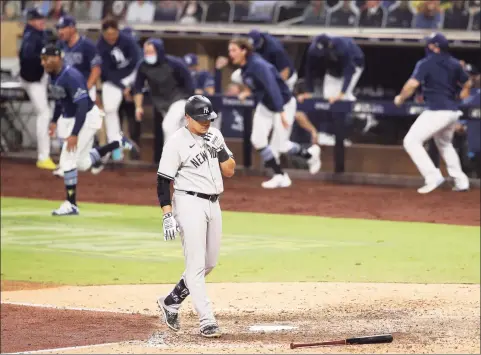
column 373, row 339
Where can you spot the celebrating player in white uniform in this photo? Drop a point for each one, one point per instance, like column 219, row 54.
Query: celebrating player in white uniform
column 76, row 119
column 441, row 77
column 276, row 109
column 195, row 157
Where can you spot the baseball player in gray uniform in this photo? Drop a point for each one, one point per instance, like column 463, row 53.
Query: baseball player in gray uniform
column 195, row 157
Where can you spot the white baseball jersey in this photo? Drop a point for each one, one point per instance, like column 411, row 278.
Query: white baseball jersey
column 191, row 163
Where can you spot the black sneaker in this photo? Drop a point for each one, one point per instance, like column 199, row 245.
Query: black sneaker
column 170, row 318
column 210, row 331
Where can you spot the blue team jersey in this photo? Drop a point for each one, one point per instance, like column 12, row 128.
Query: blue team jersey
column 440, row 75
column 202, row 79
column 82, row 56
column 340, row 59
column 265, row 82
column 119, row 60
column 274, row 52
column 68, row 88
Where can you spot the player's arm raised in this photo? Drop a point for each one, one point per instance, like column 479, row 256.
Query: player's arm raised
column 224, row 155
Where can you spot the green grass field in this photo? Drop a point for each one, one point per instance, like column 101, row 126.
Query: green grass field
column 113, row 244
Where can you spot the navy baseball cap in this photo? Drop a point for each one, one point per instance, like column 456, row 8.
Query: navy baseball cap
column 34, row 13
column 471, row 69
column 255, row 38
column 191, row 59
column 438, row 39
column 66, row 21
column 51, row 50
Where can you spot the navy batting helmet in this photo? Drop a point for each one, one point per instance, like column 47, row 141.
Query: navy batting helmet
column 200, row 108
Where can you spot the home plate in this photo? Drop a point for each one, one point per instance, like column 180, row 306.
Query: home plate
column 270, row 328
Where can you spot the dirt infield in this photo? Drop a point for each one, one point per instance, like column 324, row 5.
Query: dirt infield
column 423, row 318
column 54, row 328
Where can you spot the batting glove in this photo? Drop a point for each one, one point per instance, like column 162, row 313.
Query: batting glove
column 213, row 141
column 170, row 226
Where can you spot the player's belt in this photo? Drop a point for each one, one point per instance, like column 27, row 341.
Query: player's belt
column 211, row 198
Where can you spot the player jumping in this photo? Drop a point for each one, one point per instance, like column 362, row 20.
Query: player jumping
column 195, row 157
column 440, row 75
column 120, row 56
column 275, row 110
column 80, row 120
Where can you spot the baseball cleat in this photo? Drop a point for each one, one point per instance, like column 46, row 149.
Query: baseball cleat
column 66, row 209
column 127, row 144
column 100, row 165
column 58, row 172
column 211, row 331
column 278, row 180
column 431, row 186
column 46, row 164
column 170, row 318
column 314, row 162
column 460, row 189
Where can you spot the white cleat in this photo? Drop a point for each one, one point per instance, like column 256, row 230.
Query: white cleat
column 314, row 162
column 431, row 186
column 66, row 209
column 278, row 180
column 58, row 172
column 99, row 166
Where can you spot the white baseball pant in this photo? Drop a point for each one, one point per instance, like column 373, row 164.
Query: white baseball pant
column 439, row 125
column 332, row 85
column 79, row 159
column 174, row 118
column 265, row 120
column 200, row 223
column 37, row 92
column 291, row 82
column 112, row 97
column 93, row 93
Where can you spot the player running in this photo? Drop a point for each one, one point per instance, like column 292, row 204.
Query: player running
column 76, row 119
column 120, row 56
column 275, row 111
column 440, row 76
column 195, row 158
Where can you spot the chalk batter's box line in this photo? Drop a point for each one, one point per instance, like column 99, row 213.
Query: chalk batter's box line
column 67, row 348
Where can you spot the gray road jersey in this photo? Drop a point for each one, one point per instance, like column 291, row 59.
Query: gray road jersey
column 192, row 165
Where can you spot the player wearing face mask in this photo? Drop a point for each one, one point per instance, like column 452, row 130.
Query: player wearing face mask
column 170, row 85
